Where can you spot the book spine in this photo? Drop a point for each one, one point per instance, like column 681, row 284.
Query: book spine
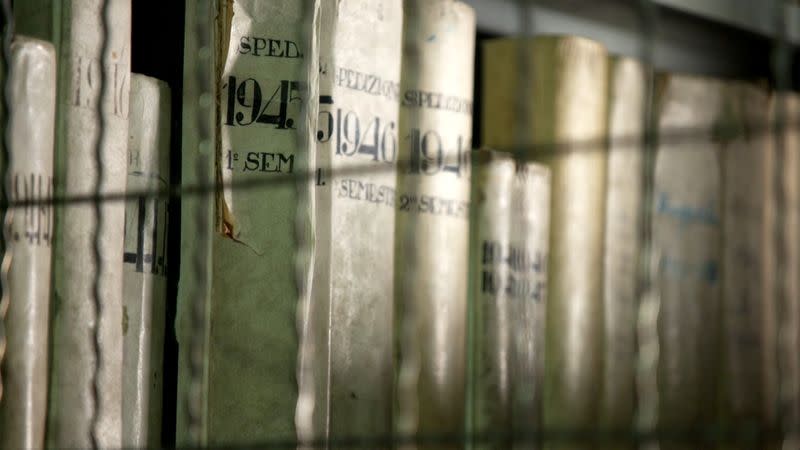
column 550, row 106
column 686, row 240
column 263, row 76
column 490, row 231
column 747, row 258
column 508, row 257
column 433, row 215
column 527, row 258
column 357, row 153
column 31, row 139
column 145, row 262
column 786, row 107
column 622, row 246
column 568, row 111
column 89, row 295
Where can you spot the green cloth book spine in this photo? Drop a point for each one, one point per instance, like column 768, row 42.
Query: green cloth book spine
column 266, row 67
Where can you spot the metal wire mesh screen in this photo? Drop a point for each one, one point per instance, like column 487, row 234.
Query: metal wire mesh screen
column 199, row 189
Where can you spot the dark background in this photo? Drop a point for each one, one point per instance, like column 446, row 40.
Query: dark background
column 157, row 51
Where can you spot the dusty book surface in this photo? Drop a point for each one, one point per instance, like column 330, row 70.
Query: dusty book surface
column 357, row 141
column 262, row 72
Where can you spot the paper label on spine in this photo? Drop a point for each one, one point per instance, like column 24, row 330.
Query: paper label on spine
column 261, row 97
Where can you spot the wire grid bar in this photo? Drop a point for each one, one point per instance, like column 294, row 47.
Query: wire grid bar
column 672, row 136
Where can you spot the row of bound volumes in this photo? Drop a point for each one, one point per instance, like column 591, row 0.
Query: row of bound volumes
column 78, row 372
column 368, row 274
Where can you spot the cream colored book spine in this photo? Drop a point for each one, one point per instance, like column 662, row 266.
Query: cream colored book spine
column 31, row 141
column 492, row 355
column 252, row 348
column 686, row 241
column 563, row 124
column 357, row 142
column 787, row 107
column 748, row 314
column 527, row 287
column 75, row 26
column 432, row 235
column 145, row 262
column 508, row 260
column 623, row 220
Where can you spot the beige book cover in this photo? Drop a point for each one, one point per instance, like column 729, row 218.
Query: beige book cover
column 748, row 226
column 31, row 142
column 145, row 262
column 491, row 356
column 265, row 74
column 357, row 148
column 786, row 107
column 528, row 254
column 624, row 190
column 508, row 258
column 686, row 242
column 432, row 235
column 75, row 27
column 545, row 98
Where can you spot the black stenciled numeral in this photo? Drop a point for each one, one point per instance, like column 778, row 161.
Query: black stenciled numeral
column 350, row 137
column 247, row 105
column 428, row 155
